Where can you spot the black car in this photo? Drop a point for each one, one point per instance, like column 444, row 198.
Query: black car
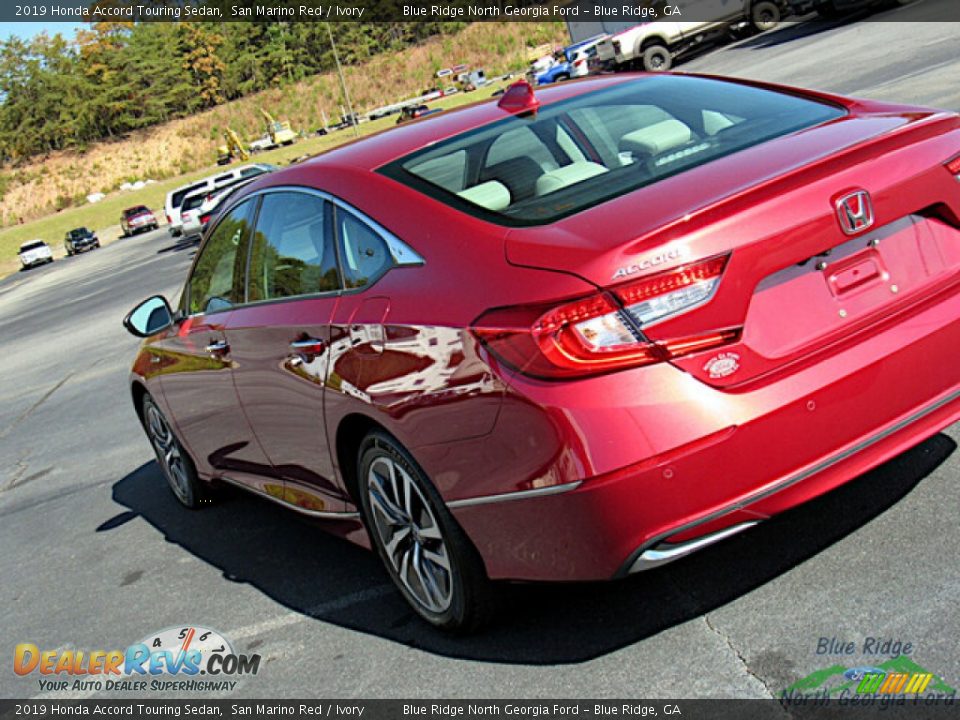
column 80, row 240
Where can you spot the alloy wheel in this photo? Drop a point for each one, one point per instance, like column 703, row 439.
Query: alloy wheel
column 168, row 453
column 410, row 535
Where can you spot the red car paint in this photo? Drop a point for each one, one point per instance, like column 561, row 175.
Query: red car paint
column 832, row 364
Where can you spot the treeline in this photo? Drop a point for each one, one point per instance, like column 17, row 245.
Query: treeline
column 117, row 77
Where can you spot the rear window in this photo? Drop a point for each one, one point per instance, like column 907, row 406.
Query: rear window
column 194, row 201
column 177, row 199
column 79, row 233
column 130, row 212
column 578, row 153
column 32, row 246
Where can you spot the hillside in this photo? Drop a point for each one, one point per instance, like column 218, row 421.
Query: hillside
column 64, row 179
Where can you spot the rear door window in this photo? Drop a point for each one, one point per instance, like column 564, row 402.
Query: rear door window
column 292, row 251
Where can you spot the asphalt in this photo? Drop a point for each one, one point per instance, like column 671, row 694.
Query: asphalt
column 96, row 553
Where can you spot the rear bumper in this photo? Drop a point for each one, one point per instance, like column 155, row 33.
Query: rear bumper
column 657, row 470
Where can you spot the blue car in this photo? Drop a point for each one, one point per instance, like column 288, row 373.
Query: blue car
column 571, row 61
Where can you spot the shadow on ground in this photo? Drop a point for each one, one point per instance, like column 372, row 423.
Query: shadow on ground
column 180, row 244
column 296, row 564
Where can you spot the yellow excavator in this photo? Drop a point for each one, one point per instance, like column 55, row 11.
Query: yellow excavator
column 280, row 132
column 232, row 150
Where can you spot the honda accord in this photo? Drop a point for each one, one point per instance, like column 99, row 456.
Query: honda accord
column 569, row 335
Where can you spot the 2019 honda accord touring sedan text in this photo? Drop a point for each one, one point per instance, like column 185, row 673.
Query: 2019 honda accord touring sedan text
column 568, row 336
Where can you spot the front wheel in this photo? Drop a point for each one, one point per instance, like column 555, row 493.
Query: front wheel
column 174, row 461
column 426, row 553
column 656, row 58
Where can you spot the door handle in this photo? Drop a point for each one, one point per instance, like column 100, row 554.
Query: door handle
column 218, row 348
column 308, row 346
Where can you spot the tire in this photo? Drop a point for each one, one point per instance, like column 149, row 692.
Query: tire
column 173, row 459
column 765, row 15
column 426, row 553
column 656, row 58
column 562, row 77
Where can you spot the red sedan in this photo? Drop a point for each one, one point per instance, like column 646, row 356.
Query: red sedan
column 571, row 336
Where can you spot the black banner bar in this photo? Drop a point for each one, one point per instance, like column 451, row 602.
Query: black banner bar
column 890, row 706
column 609, row 15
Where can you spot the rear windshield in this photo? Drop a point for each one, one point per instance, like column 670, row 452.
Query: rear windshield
column 32, row 246
column 194, row 201
column 177, row 199
column 130, row 212
column 578, row 153
column 79, row 233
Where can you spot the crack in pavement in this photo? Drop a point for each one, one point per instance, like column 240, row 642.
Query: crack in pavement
column 30, row 410
column 743, row 661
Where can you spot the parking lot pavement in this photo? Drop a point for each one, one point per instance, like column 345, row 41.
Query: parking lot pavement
column 97, row 554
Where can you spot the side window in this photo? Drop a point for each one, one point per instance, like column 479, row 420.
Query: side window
column 364, row 253
column 217, row 280
column 292, row 251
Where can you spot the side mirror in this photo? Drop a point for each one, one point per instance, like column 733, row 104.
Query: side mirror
column 149, row 317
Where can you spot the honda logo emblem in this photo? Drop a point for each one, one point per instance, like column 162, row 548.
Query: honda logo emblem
column 855, row 212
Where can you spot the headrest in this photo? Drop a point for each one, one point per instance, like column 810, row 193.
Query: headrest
column 568, row 175
column 492, row 195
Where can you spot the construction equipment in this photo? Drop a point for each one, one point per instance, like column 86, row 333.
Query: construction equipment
column 232, row 150
column 280, row 132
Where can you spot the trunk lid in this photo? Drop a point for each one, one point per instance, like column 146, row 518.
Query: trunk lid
column 795, row 281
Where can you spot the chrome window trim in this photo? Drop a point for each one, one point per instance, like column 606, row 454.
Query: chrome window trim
column 403, row 255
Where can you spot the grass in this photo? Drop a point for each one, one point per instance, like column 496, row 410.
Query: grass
column 104, row 216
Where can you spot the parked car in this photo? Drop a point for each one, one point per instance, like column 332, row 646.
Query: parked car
column 569, row 335
column 570, row 62
column 198, row 207
column 415, row 112
column 80, row 240
column 652, row 46
column 137, row 219
column 34, row 252
column 175, row 198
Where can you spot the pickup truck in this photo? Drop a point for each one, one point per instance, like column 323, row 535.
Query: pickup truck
column 652, row 46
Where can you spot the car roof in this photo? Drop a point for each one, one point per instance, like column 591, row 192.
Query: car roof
column 374, row 151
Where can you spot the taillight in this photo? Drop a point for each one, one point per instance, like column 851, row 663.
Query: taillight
column 603, row 332
column 953, row 167
column 204, row 219
column 578, row 63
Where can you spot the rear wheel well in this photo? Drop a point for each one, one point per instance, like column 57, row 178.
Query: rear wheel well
column 350, row 433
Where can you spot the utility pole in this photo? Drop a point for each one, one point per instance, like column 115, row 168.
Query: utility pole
column 343, row 82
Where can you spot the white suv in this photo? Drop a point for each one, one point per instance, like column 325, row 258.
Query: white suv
column 175, row 198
